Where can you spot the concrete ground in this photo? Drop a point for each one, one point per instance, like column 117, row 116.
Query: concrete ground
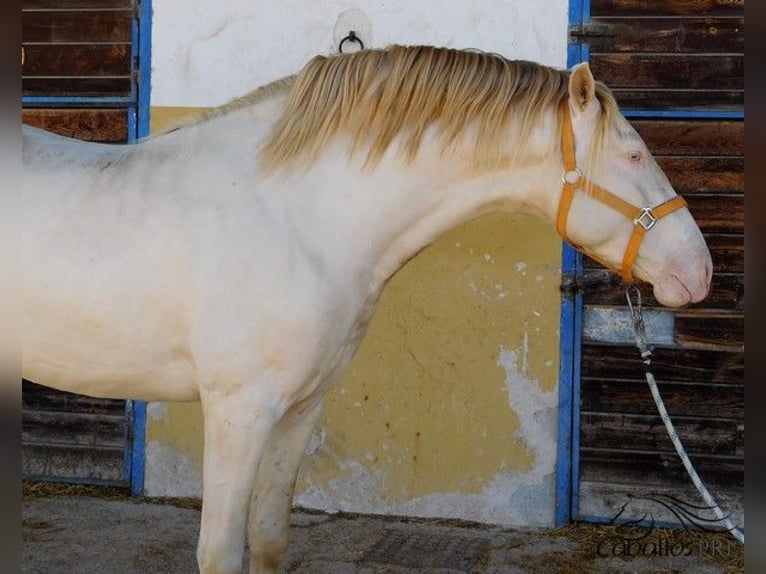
column 89, row 534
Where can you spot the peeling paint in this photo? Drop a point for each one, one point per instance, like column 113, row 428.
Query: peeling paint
column 171, row 473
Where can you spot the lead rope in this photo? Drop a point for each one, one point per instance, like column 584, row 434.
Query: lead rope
column 646, row 356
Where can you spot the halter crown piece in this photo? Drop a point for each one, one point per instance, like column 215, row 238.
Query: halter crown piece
column 573, row 180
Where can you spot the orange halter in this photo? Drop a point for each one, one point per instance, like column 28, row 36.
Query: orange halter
column 572, row 178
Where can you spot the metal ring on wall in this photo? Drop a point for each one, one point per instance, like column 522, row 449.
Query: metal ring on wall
column 352, row 37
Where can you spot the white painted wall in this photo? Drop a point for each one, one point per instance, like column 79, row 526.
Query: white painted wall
column 205, row 53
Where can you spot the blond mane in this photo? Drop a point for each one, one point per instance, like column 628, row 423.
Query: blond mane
column 256, row 96
column 375, row 96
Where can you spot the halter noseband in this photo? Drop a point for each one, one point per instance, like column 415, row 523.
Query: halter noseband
column 572, row 178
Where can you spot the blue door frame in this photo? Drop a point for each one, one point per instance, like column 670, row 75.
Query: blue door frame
column 568, row 458
column 139, row 122
column 570, row 344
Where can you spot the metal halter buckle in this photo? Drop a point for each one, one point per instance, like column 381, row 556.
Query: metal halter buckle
column 646, row 219
column 572, row 176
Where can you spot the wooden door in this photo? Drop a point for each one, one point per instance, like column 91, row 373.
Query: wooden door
column 677, row 69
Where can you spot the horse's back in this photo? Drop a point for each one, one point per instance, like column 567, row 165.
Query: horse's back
column 95, row 258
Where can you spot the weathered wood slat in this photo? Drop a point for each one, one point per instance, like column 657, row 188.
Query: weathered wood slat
column 705, row 174
column 681, row 399
column 724, row 367
column 66, row 428
column 82, row 27
column 646, row 432
column 38, row 397
column 105, row 125
column 718, row 214
column 677, row 35
column 640, row 468
column 728, row 253
column 75, row 4
column 692, row 137
column 710, row 329
column 66, row 462
column 679, row 99
column 666, row 8
column 727, row 293
column 77, row 60
column 86, row 87
column 644, row 71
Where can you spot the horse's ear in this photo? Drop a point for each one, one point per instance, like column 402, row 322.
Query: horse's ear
column 582, row 88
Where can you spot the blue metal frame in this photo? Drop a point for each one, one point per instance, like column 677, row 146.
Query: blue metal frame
column 145, row 70
column 567, row 455
column 685, row 114
column 139, row 127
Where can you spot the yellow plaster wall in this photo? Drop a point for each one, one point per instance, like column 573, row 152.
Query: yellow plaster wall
column 426, row 407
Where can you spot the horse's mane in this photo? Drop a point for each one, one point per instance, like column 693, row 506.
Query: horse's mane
column 256, row 96
column 374, row 96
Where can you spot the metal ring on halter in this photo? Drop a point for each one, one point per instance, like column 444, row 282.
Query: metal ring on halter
column 352, row 37
column 566, row 176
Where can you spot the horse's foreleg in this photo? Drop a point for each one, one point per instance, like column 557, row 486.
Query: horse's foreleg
column 269, row 520
column 236, row 428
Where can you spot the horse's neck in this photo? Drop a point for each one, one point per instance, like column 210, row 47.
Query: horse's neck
column 383, row 218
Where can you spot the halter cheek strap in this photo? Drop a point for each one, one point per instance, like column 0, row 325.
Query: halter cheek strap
column 573, row 180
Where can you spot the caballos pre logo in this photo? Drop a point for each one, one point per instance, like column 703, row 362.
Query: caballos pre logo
column 640, row 537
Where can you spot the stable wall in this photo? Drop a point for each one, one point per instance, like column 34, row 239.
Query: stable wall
column 450, row 407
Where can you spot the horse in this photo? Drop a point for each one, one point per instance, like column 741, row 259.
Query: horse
column 237, row 259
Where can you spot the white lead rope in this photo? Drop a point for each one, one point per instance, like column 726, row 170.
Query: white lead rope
column 646, row 356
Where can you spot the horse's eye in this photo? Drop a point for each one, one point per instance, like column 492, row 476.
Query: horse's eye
column 635, row 155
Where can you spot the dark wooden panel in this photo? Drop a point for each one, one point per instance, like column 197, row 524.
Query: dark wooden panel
column 662, row 468
column 79, row 428
column 77, row 60
column 705, row 174
column 727, row 293
column 105, row 125
column 646, row 432
column 725, row 367
column 676, row 35
column 642, row 71
column 667, row 7
column 704, row 329
column 76, row 26
column 692, row 137
column 718, row 213
column 75, row 4
column 67, row 436
column 38, row 397
column 681, row 98
column 681, row 399
column 72, row 463
column 728, row 253
column 674, row 55
column 90, row 87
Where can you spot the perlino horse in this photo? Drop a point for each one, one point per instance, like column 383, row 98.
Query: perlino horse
column 237, row 260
